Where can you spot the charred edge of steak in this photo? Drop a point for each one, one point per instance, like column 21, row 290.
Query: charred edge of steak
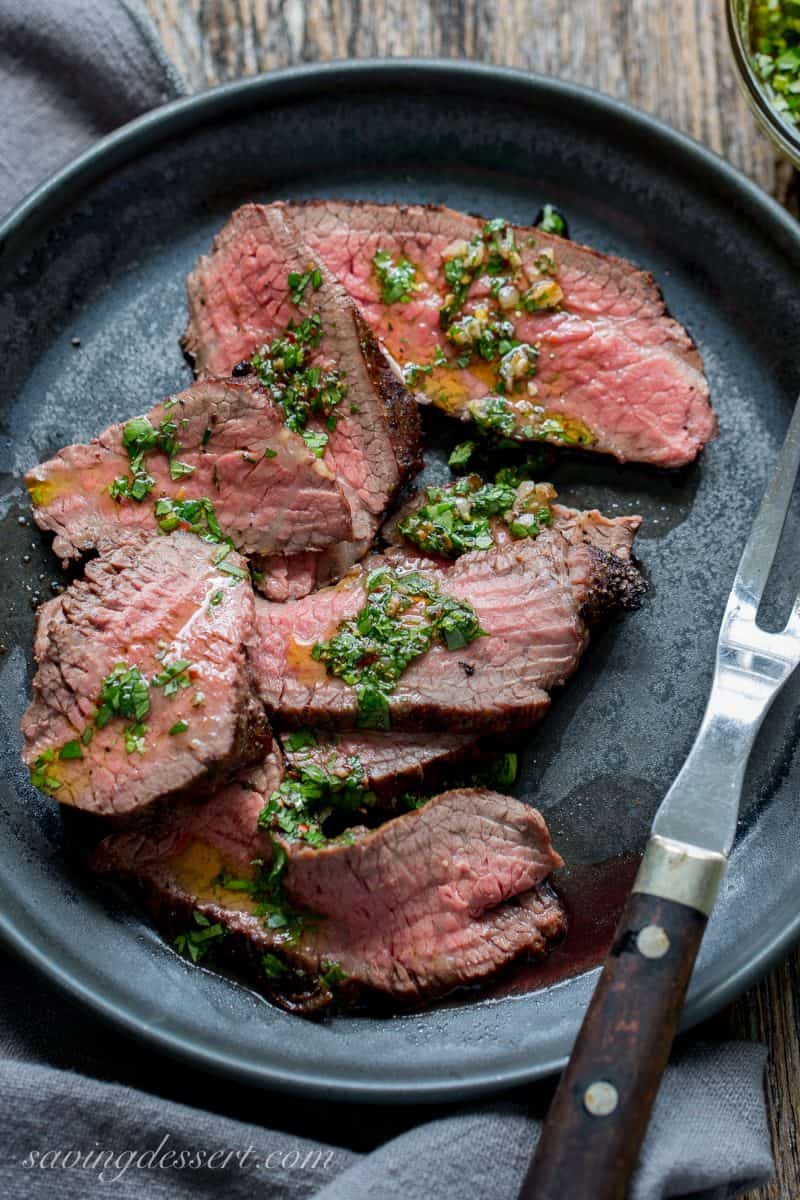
column 617, row 586
column 171, row 910
column 402, row 413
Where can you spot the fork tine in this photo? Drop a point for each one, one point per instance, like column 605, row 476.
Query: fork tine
column 756, row 561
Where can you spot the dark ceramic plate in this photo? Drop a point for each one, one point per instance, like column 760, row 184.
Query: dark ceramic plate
column 100, row 254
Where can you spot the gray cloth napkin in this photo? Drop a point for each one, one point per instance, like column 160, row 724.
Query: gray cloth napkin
column 82, row 1107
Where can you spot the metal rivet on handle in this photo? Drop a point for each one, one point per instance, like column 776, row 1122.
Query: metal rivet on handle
column 652, row 942
column 600, row 1098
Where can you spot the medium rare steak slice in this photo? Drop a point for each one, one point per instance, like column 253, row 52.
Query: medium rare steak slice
column 388, row 763
column 443, row 896
column 367, row 426
column 142, row 688
column 603, row 367
column 529, row 597
column 218, row 455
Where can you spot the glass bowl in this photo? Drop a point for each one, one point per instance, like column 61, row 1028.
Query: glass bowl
column 785, row 135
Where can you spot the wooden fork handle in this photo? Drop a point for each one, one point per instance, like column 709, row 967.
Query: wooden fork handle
column 600, row 1111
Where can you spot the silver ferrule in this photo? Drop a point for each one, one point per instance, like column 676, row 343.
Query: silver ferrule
column 681, row 872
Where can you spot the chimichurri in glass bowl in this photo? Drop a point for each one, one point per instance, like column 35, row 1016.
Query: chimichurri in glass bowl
column 765, row 36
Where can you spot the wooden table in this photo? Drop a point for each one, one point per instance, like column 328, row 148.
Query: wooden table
column 670, row 58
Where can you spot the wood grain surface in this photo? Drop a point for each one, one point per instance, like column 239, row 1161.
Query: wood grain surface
column 669, row 57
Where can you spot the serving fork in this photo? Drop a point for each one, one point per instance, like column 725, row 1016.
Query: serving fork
column 601, row 1108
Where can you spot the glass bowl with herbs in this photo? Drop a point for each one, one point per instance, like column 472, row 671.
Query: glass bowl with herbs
column 765, row 36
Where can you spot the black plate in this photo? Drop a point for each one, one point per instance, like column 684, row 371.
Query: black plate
column 101, row 252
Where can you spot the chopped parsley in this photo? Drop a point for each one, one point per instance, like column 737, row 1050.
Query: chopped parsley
column 43, row 778
column 456, row 519
column 173, row 676
column 301, row 389
column 266, row 888
column 316, row 441
column 70, row 750
column 414, row 372
column 493, row 414
column 397, row 279
column 231, row 569
column 274, row 967
column 493, row 251
column 195, row 516
column 269, row 452
column 123, row 693
column 298, row 282
column 139, row 436
column 312, row 790
column 551, row 220
column 502, row 773
column 135, row 738
column 461, row 454
column 332, row 974
column 178, row 727
column 197, row 942
column 403, row 615
column 480, row 334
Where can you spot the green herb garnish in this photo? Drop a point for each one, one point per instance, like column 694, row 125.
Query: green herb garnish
column 461, row 454
column 312, row 790
column 316, row 441
column 298, row 282
column 198, row 942
column 196, row 516
column 172, row 676
column 302, row 389
column 178, row 727
column 332, row 974
column 402, row 616
column 42, row 777
column 457, row 519
column 493, row 414
column 123, row 693
column 274, row 967
column 550, row 220
column 139, row 436
column 414, row 372
column 71, row 749
column 397, row 279
column 266, row 888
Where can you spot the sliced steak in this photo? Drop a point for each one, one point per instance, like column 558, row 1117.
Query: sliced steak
column 530, row 598
column 269, row 492
column 617, row 374
column 143, row 689
column 391, row 763
column 440, row 897
column 240, row 300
